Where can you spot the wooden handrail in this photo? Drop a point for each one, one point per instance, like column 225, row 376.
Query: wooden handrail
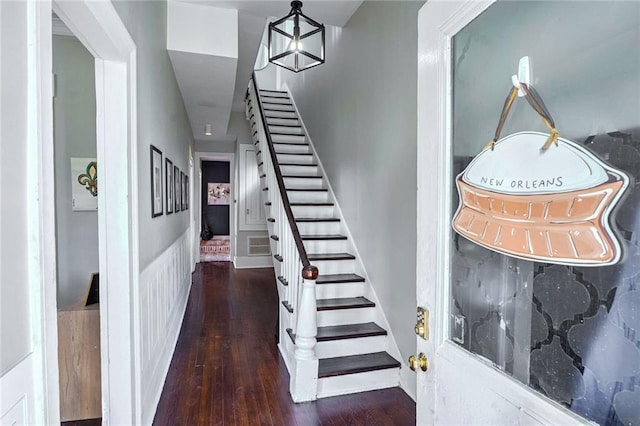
column 309, row 271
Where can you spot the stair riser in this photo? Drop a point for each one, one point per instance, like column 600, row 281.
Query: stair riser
column 300, row 170
column 319, row 228
column 335, row 266
column 313, row 211
column 334, row 291
column 346, row 347
column 301, row 183
column 275, row 99
column 283, row 121
column 296, row 149
column 308, row 197
column 286, row 129
column 274, row 94
column 276, row 138
column 269, row 108
column 281, row 114
column 298, row 159
column 345, row 316
column 326, row 246
column 361, row 382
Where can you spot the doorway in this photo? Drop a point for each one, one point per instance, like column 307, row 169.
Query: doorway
column 215, row 204
column 100, row 29
column 215, row 212
column 76, row 212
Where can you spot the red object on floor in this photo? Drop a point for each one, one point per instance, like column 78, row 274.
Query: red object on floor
column 215, row 250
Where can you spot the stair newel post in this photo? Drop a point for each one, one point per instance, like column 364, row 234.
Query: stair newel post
column 304, row 381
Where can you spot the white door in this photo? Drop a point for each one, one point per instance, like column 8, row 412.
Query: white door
column 251, row 205
column 515, row 341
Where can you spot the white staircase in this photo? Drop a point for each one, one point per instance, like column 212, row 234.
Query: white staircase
column 342, row 343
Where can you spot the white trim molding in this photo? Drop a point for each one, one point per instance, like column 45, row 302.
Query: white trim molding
column 164, row 291
column 17, row 398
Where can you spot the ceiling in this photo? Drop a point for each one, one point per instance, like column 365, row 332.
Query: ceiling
column 252, row 19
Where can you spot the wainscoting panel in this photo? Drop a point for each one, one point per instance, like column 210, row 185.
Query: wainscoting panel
column 16, row 388
column 164, row 289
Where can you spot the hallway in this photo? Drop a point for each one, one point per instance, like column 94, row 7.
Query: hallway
column 226, row 369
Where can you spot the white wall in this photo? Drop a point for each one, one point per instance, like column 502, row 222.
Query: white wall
column 74, row 107
column 15, row 318
column 360, row 111
column 162, row 121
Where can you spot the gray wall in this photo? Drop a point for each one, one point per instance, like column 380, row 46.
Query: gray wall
column 74, row 110
column 360, row 111
column 162, row 121
column 15, row 318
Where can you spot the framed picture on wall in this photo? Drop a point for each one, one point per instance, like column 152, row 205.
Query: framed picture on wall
column 157, row 207
column 218, row 193
column 183, row 179
column 186, row 187
column 84, row 184
column 169, row 187
column 176, row 186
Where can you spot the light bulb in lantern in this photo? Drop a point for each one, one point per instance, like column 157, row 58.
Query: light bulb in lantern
column 295, row 45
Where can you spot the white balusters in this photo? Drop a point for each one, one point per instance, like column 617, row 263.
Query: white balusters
column 300, row 292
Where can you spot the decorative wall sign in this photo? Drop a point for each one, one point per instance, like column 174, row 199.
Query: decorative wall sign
column 218, row 193
column 542, row 205
column 156, row 182
column 84, row 184
column 168, row 185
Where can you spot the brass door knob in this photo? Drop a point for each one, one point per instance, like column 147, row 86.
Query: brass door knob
column 419, row 361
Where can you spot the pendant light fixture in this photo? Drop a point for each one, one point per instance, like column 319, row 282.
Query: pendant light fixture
column 296, row 42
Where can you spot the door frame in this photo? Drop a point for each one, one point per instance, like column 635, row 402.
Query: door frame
column 438, row 22
column 100, row 29
column 197, row 202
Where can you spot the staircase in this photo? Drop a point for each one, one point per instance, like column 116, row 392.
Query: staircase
column 350, row 344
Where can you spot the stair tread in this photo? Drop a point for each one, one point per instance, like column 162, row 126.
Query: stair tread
column 347, row 331
column 324, row 237
column 317, row 219
column 298, row 164
column 330, row 256
column 344, row 303
column 339, row 278
column 301, row 177
column 294, row 153
column 308, row 189
column 303, row 204
column 338, row 366
column 292, row 143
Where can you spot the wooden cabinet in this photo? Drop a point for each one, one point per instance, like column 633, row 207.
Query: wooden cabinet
column 79, row 362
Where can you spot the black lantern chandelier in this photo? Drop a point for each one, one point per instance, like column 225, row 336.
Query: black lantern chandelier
column 296, row 42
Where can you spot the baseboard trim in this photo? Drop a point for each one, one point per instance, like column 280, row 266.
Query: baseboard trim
column 242, row 262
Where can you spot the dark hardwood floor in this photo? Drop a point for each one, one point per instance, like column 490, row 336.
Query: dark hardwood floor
column 227, row 370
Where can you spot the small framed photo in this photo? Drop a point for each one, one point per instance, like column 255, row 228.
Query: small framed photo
column 169, row 187
column 157, row 205
column 183, row 179
column 186, row 187
column 177, row 189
